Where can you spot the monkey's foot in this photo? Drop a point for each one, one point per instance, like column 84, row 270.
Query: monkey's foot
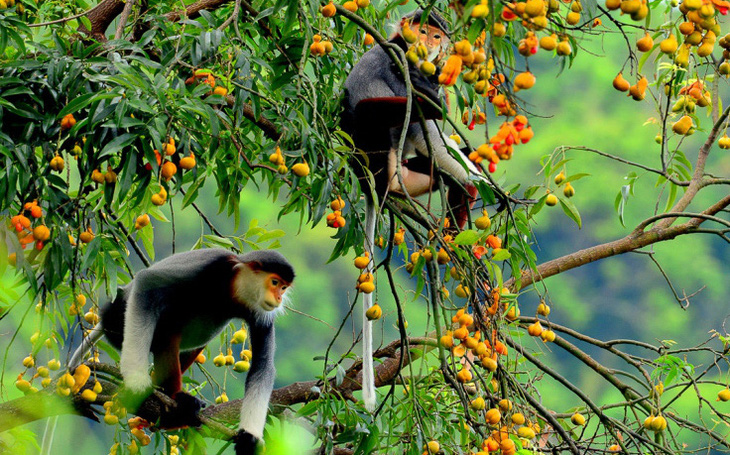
column 245, row 443
column 184, row 414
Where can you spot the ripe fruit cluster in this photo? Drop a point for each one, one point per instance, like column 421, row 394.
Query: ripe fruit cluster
column 109, row 177
column 319, row 47
column 239, row 366
column 501, row 145
column 23, row 227
column 468, row 337
column 277, row 158
column 206, row 77
column 160, row 197
column 335, row 219
column 503, row 425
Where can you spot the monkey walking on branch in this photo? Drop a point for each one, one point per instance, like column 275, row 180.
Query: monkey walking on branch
column 177, row 306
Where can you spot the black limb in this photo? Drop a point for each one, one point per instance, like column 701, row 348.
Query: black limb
column 245, row 443
column 184, row 414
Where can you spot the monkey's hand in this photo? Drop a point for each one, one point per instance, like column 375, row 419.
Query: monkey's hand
column 245, row 443
column 184, row 414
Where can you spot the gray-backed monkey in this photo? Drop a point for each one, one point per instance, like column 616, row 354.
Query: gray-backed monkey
column 176, row 306
column 374, row 115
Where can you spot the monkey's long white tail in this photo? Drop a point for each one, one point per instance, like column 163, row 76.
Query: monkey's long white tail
column 86, row 344
column 368, row 376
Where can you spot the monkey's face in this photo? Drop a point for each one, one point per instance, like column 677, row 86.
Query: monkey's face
column 274, row 288
column 433, row 38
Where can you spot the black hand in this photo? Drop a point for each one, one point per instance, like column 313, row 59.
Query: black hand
column 245, row 443
column 184, row 414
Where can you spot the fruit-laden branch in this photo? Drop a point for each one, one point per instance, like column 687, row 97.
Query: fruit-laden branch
column 45, row 403
column 637, row 239
column 301, row 392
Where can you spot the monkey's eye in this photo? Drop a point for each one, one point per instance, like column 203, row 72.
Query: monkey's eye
column 436, row 36
column 274, row 282
column 284, row 288
column 423, row 30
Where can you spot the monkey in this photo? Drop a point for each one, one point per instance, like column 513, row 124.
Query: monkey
column 178, row 305
column 375, row 96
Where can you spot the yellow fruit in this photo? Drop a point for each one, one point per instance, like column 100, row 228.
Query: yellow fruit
column 560, row 178
column 110, row 419
column 157, row 200
column 350, row 6
column 549, row 42
column 564, row 48
column 645, row 44
column 518, row 418
column 54, row 364
column 535, row 329
column 187, row 162
column 87, row 236
column 367, row 288
column 374, row 312
column 362, row 261
column 239, row 336
column 578, row 419
column 229, row 359
column 41, row 233
column 29, row 362
column 478, row 404
column 568, row 191
column 88, row 395
column 219, row 360
column 97, row 387
column 362, row 3
column 548, row 336
column 428, row 68
column 543, row 309
column 551, row 200
column 241, row 366
column 526, row 433
column 620, row 84
column 201, row 358
column 169, row 148
column 447, row 341
column 480, row 11
column 483, row 222
column 329, row 10
column 168, row 170
column 222, row 398
column 461, row 291
column 683, row 125
column 493, row 416
column 219, row 90
column 669, row 45
column 658, row 424
column 524, row 81
column 489, row 363
column 97, row 176
column 22, row 385
column 300, row 169
column 433, row 446
column 464, row 375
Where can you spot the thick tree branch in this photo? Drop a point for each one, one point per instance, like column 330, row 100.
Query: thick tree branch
column 637, row 239
column 45, row 403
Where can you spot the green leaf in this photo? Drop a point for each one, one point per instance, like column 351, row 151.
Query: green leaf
column 502, row 255
column 467, row 237
column 117, row 144
column 570, row 210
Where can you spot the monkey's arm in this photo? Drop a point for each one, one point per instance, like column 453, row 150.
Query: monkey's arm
column 140, row 321
column 259, row 384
